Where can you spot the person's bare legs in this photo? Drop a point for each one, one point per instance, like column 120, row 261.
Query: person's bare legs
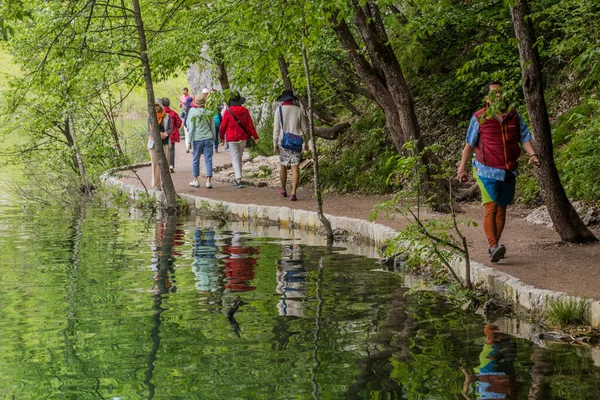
column 295, row 178
column 283, row 177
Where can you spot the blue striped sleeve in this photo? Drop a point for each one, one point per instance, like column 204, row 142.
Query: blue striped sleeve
column 524, row 129
column 473, row 132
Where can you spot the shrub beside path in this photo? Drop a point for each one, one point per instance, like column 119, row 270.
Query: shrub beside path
column 535, row 255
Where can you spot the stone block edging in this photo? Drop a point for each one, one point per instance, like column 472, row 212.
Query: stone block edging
column 505, row 286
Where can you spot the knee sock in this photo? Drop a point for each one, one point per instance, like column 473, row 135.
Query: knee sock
column 500, row 219
column 489, row 223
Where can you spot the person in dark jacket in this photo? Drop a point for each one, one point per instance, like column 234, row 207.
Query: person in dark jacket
column 496, row 135
column 237, row 128
column 175, row 138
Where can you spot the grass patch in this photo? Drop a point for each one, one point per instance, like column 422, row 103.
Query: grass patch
column 568, row 312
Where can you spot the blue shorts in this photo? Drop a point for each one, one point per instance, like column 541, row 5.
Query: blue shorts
column 497, row 191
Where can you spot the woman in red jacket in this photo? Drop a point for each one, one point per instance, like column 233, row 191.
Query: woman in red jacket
column 237, row 128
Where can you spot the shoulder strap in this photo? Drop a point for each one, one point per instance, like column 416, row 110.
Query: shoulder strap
column 281, row 117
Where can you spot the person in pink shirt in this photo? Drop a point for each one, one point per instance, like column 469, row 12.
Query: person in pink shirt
column 184, row 97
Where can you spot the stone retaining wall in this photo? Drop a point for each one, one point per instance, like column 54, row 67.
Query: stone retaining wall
column 502, row 284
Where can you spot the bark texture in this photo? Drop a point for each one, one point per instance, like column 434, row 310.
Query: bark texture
column 567, row 222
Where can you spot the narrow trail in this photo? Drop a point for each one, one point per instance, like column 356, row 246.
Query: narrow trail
column 535, row 253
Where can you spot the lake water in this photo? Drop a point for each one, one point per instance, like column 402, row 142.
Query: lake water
column 96, row 304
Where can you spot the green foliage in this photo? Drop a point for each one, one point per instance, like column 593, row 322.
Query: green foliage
column 568, row 311
column 358, row 161
column 183, row 206
column 265, row 134
column 578, row 159
column 527, row 189
column 146, row 202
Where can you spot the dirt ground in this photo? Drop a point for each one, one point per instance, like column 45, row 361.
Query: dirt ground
column 535, row 254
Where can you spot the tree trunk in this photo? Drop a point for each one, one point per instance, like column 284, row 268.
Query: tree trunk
column 315, row 156
column 374, row 85
column 567, row 222
column 163, row 165
column 223, row 77
column 85, row 188
column 285, row 75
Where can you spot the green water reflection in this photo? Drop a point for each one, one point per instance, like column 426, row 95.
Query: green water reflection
column 95, row 304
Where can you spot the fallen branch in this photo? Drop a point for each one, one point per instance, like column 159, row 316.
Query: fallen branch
column 333, row 132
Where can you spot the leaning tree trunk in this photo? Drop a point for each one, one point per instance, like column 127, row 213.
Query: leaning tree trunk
column 163, row 165
column 567, row 222
column 285, row 75
column 318, row 192
column 384, row 79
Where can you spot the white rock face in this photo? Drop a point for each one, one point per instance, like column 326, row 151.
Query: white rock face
column 588, row 214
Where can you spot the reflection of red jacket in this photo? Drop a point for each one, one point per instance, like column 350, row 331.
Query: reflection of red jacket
column 231, row 131
column 176, row 125
column 239, row 268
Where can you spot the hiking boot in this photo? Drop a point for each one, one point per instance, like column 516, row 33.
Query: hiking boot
column 282, row 192
column 496, row 253
column 293, row 198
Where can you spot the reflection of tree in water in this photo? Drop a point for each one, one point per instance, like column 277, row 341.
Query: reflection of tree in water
column 390, row 339
column 163, row 259
column 163, row 262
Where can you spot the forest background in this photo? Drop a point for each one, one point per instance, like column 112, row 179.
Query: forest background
column 72, row 72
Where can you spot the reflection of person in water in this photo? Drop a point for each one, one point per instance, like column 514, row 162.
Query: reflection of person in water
column 163, row 271
column 495, row 377
column 206, row 264
column 239, row 264
column 291, row 282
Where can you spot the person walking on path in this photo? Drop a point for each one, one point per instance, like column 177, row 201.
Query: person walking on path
column 201, row 128
column 494, row 135
column 184, row 98
column 175, row 137
column 237, row 128
column 184, row 113
column 289, row 118
column 165, row 127
column 217, row 117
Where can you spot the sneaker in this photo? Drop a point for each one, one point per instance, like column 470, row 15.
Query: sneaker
column 282, row 192
column 496, row 253
column 293, row 198
column 502, row 256
column 194, row 184
column 171, row 169
column 208, row 185
column 236, row 184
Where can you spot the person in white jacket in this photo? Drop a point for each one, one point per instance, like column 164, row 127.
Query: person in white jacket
column 289, row 118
